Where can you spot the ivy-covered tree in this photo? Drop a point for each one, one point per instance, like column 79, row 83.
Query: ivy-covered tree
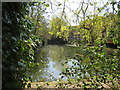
column 19, row 41
column 11, row 15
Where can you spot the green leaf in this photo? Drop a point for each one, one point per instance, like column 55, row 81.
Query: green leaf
column 91, row 4
column 78, row 79
column 47, row 5
column 59, row 4
column 95, row 3
column 113, row 68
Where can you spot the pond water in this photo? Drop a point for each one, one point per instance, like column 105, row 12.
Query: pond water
column 51, row 59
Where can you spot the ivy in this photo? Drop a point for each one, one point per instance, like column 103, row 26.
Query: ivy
column 19, row 44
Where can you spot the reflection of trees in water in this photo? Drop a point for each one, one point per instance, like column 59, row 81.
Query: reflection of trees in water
column 54, row 56
column 54, row 53
column 59, row 55
column 37, row 73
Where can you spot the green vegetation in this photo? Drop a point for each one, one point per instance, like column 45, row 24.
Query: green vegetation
column 97, row 66
column 25, row 28
column 96, row 31
column 20, row 40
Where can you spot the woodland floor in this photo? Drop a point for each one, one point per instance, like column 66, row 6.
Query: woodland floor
column 65, row 84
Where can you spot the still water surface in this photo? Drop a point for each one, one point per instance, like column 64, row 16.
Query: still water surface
column 51, row 59
column 54, row 57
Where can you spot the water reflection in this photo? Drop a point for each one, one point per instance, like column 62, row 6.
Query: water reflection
column 51, row 59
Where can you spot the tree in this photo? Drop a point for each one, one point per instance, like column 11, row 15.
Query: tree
column 19, row 43
column 57, row 27
column 12, row 13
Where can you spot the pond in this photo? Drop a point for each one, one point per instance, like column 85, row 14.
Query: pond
column 52, row 58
